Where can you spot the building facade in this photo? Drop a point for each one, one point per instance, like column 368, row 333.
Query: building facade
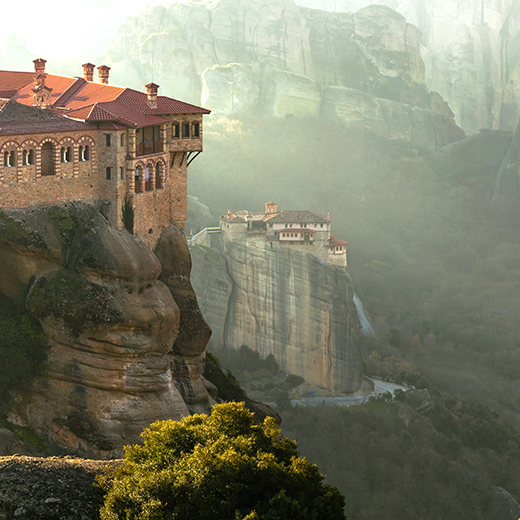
column 64, row 139
column 297, row 229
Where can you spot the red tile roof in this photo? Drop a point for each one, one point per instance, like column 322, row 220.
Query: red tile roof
column 165, row 105
column 337, row 243
column 89, row 101
column 16, row 118
column 112, row 110
column 11, row 82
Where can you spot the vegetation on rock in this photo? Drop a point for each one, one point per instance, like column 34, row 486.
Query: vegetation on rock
column 215, row 467
column 23, row 346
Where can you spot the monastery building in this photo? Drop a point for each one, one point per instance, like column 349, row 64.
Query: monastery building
column 64, row 139
column 301, row 230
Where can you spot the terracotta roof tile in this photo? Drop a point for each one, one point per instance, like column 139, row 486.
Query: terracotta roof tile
column 16, row 118
column 337, row 243
column 89, row 101
column 165, row 105
column 11, row 81
column 113, row 110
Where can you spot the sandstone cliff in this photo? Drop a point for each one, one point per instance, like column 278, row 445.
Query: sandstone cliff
column 278, row 57
column 126, row 334
column 273, row 57
column 286, row 303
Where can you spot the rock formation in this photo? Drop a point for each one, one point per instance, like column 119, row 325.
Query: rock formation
column 127, row 338
column 286, row 303
column 471, row 54
column 273, row 57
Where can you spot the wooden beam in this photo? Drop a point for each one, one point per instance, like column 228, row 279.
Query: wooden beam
column 194, row 157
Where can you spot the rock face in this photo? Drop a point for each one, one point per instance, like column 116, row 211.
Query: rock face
column 470, row 50
column 126, row 348
column 286, row 303
column 273, row 57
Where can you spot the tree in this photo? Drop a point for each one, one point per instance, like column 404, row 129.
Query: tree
column 127, row 215
column 218, row 467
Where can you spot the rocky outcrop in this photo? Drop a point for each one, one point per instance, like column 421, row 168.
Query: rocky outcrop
column 50, row 488
column 126, row 348
column 283, row 302
column 471, row 54
column 274, row 58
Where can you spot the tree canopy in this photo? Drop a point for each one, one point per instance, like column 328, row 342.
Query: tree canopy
column 218, row 467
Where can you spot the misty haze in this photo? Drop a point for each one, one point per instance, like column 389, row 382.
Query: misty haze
column 311, row 207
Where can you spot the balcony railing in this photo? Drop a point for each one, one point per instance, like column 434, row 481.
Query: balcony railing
column 149, row 148
column 47, row 169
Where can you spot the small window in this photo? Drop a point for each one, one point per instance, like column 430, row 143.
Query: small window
column 185, row 130
column 176, row 130
column 84, row 153
column 122, row 139
column 122, row 172
column 30, row 157
column 109, row 173
column 195, row 130
column 108, row 139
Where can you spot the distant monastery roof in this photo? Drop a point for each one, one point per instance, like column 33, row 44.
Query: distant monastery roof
column 297, row 216
column 280, row 217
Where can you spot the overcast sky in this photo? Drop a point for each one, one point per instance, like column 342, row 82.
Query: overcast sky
column 69, row 29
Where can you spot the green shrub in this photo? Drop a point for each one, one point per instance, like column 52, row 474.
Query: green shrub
column 218, row 467
column 127, row 215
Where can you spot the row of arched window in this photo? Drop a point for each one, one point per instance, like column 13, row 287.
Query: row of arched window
column 47, row 151
column 149, row 177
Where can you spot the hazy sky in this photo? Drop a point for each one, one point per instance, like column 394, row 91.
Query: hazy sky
column 68, row 29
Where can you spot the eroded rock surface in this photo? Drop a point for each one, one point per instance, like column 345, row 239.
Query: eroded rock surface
column 273, row 57
column 124, row 344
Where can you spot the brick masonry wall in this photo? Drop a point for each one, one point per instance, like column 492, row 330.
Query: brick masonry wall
column 24, row 185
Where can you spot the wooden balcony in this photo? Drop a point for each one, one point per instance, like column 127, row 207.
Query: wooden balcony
column 149, row 148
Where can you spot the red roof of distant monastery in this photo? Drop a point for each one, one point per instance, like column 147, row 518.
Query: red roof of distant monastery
column 334, row 242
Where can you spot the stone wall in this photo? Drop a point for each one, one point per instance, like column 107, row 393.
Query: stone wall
column 24, row 185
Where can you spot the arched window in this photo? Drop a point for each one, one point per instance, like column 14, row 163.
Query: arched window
column 10, row 158
column 185, row 130
column 159, row 169
column 138, row 179
column 47, row 159
column 86, row 153
column 28, row 157
column 148, row 178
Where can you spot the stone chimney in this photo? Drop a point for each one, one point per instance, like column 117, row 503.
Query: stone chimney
column 151, row 94
column 103, row 74
column 271, row 207
column 88, row 71
column 39, row 65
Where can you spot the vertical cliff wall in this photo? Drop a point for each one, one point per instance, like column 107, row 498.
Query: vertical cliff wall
column 281, row 302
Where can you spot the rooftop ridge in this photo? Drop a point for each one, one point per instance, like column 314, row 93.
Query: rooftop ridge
column 70, row 92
